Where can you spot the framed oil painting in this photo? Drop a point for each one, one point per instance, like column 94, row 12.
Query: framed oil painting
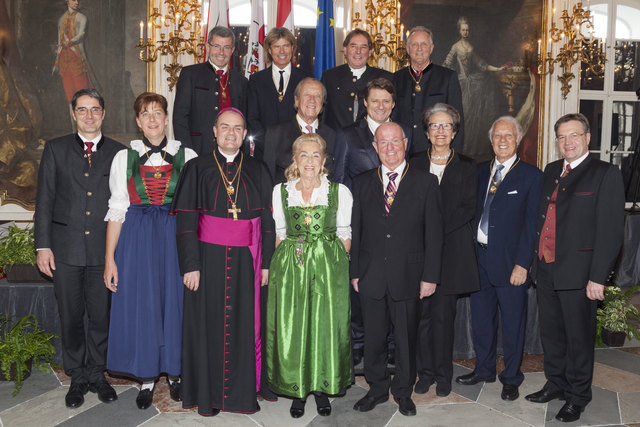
column 492, row 45
column 48, row 50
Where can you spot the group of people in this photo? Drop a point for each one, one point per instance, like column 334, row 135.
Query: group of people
column 189, row 262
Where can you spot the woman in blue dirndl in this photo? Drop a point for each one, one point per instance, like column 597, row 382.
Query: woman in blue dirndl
column 141, row 263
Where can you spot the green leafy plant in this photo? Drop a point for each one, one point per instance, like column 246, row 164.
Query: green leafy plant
column 17, row 247
column 616, row 314
column 21, row 342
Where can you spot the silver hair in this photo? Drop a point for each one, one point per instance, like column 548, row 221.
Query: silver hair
column 420, row 29
column 510, row 120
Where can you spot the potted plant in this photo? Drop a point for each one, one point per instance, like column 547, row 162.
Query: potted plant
column 22, row 346
column 18, row 256
column 615, row 316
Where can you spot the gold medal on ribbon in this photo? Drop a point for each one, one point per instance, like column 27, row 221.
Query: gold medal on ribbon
column 493, row 189
column 390, row 200
column 279, row 98
column 157, row 175
column 418, row 88
column 307, row 219
column 230, row 190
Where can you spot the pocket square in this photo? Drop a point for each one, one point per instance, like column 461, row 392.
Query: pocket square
column 513, row 192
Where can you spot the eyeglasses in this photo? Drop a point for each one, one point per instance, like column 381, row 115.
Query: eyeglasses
column 218, row 47
column 436, row 126
column 83, row 111
column 571, row 137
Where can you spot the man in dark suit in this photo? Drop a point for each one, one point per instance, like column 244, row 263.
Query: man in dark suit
column 205, row 89
column 354, row 152
column 73, row 191
column 346, row 83
column 309, row 97
column 271, row 99
column 505, row 225
column 395, row 261
column 422, row 84
column 580, row 230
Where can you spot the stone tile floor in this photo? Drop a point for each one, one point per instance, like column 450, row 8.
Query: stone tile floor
column 616, row 401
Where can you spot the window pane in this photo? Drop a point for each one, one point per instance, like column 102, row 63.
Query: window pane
column 593, row 111
column 627, row 19
column 624, row 137
column 590, row 80
column 627, row 62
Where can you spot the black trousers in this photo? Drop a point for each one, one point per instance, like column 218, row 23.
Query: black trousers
column 567, row 330
column 80, row 290
column 435, row 338
column 379, row 315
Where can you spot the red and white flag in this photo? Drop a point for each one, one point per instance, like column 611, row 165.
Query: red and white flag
column 255, row 48
column 217, row 16
column 284, row 15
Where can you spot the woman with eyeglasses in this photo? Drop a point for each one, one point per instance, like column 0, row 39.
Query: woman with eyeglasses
column 458, row 184
column 141, row 261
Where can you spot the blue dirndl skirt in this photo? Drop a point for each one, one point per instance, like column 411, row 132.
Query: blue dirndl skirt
column 145, row 331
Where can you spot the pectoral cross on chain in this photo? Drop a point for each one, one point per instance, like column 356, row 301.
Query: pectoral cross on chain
column 235, row 211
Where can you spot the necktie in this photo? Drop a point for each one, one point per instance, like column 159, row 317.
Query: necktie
column 281, row 85
column 495, row 182
column 390, row 192
column 566, row 171
column 309, row 128
column 89, row 150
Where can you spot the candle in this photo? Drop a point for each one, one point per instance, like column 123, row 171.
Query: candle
column 402, row 32
column 378, row 24
column 162, row 20
column 539, row 45
column 141, row 29
column 148, row 30
column 553, row 17
column 399, row 6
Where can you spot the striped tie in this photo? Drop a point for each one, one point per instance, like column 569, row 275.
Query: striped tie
column 390, row 192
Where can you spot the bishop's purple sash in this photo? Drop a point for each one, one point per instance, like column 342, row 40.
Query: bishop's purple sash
column 242, row 232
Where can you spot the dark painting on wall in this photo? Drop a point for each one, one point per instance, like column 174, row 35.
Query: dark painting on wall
column 492, row 45
column 48, row 50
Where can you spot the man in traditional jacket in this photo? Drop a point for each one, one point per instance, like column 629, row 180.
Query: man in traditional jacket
column 225, row 242
column 206, row 88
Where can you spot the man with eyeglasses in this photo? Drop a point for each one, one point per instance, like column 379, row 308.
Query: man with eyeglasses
column 580, row 231
column 422, row 84
column 73, row 191
column 346, row 83
column 205, row 89
column 395, row 261
column 505, row 228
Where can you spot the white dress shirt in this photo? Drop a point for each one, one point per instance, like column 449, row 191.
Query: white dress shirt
column 275, row 74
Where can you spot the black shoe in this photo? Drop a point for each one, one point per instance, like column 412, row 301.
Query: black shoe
column 75, row 395
column 443, row 390
column 214, row 412
column 106, row 393
column 356, row 355
column 472, row 378
column 267, row 394
column 323, row 405
column 174, row 390
column 145, row 398
column 544, row 396
column 406, row 406
column 569, row 413
column 297, row 408
column 423, row 385
column 368, row 402
column 509, row 392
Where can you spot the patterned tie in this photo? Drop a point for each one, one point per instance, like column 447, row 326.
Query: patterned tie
column 390, row 192
column 89, row 150
column 495, row 182
column 566, row 171
column 309, row 128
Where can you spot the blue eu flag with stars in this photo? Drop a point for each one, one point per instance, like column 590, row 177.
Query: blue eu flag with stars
column 325, row 41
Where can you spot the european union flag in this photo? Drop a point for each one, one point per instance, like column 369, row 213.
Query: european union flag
column 325, row 40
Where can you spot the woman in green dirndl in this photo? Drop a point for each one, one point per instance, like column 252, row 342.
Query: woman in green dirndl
column 308, row 347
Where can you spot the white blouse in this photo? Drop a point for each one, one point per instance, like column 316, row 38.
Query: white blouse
column 119, row 200
column 319, row 197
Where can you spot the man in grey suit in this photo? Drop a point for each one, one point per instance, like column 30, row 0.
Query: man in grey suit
column 73, row 191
